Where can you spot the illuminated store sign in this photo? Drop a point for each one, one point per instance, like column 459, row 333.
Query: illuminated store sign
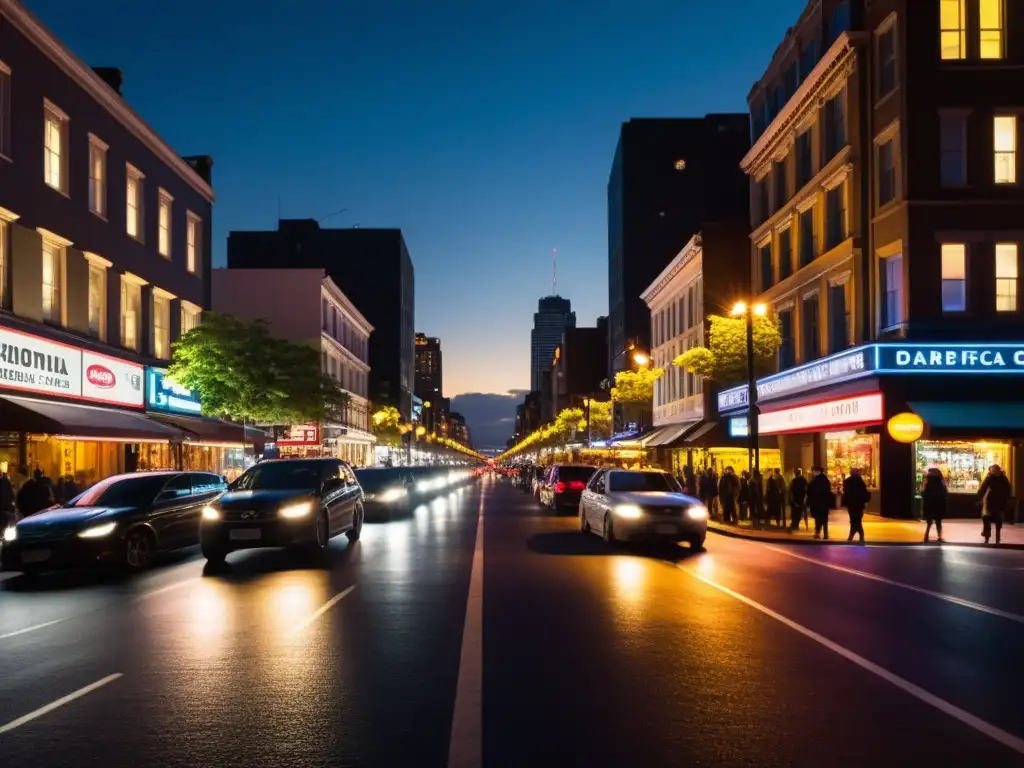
column 300, row 434
column 739, row 427
column 847, row 412
column 950, row 358
column 165, row 395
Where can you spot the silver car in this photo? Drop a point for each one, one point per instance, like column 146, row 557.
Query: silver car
column 626, row 505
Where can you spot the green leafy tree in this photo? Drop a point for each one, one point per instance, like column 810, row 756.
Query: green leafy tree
column 600, row 419
column 636, row 387
column 569, row 422
column 724, row 360
column 387, row 425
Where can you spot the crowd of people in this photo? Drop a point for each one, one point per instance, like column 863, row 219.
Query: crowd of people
column 22, row 494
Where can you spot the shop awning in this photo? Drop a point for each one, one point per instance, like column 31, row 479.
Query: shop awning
column 663, row 436
column 714, row 433
column 22, row 414
column 212, row 431
column 975, row 418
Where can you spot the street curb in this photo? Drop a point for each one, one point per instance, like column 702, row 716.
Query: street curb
column 844, row 543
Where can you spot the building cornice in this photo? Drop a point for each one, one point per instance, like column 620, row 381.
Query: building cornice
column 336, row 294
column 690, row 251
column 106, row 96
column 838, row 62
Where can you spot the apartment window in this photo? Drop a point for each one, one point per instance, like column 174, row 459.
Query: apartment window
column 785, row 253
column 97, row 176
column 194, row 241
column 55, row 153
column 990, row 29
column 682, row 316
column 954, row 277
column 953, row 141
column 812, row 338
column 190, row 315
column 1005, row 149
column 324, row 315
column 767, row 269
column 161, row 327
column 1006, row 277
column 133, row 202
column 781, row 189
column 835, row 213
column 97, row 301
column 5, row 111
column 808, row 59
column 53, row 269
column 886, row 53
column 334, row 321
column 164, row 224
column 763, row 211
column 808, row 241
column 893, row 274
column 953, row 29
column 838, row 319
column 886, row 173
column 131, row 314
column 804, row 158
column 787, row 354
column 689, row 308
column 835, row 125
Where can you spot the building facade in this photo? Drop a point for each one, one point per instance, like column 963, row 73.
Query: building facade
column 308, row 307
column 554, row 314
column 579, row 366
column 459, row 430
column 429, row 380
column 104, row 243
column 885, row 157
column 373, row 269
column 668, row 175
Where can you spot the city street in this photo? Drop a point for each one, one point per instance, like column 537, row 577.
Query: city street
column 577, row 654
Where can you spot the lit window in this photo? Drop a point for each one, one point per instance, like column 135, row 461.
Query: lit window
column 55, row 124
column 133, row 203
column 990, row 29
column 194, row 243
column 190, row 315
column 131, row 314
column 953, row 29
column 953, row 139
column 53, row 267
column 1006, row 149
column 954, row 277
column 97, row 176
column 1006, row 277
column 161, row 327
column 97, row 300
column 680, row 165
column 893, row 291
column 164, row 224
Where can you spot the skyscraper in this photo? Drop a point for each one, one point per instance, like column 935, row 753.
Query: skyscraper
column 428, row 383
column 554, row 314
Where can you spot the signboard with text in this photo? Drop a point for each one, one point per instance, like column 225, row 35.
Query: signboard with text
column 950, row 358
column 169, row 397
column 108, row 379
column 300, row 434
column 846, row 412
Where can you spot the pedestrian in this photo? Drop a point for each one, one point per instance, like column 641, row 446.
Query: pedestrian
column 820, row 500
column 744, row 494
column 728, row 488
column 780, row 482
column 855, row 497
column 35, row 495
column 713, row 487
column 755, row 488
column 772, row 498
column 704, row 489
column 690, row 483
column 797, row 498
column 934, row 496
column 7, row 516
column 995, row 493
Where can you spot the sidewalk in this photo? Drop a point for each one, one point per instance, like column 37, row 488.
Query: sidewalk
column 877, row 530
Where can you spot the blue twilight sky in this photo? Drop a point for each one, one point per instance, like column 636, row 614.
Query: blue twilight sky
column 484, row 129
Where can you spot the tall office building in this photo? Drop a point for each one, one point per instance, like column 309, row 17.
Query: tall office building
column 554, row 314
column 428, row 386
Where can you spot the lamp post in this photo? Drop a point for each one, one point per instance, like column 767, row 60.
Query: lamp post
column 748, row 312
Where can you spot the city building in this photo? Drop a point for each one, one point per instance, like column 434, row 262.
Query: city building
column 528, row 415
column 372, row 268
column 104, row 244
column 579, row 366
column 307, row 306
column 428, row 381
column 459, row 430
column 554, row 314
column 668, row 175
column 884, row 157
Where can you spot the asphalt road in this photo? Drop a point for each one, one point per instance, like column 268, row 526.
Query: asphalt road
column 575, row 654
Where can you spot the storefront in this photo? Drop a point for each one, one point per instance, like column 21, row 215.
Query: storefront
column 716, row 444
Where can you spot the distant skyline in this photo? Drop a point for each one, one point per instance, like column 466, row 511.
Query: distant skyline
column 484, row 131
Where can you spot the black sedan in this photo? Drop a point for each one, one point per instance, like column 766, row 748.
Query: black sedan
column 387, row 491
column 122, row 520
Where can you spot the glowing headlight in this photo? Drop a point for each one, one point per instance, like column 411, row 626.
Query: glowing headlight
column 629, row 511
column 697, row 512
column 296, row 510
column 209, row 513
column 10, row 533
column 393, row 494
column 98, row 531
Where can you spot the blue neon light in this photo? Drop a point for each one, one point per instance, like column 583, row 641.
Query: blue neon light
column 164, row 395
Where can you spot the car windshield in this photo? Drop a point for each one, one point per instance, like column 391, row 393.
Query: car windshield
column 288, row 475
column 569, row 474
column 136, row 491
column 642, row 481
column 377, row 479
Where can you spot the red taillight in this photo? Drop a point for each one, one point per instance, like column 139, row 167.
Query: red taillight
column 577, row 485
column 559, row 487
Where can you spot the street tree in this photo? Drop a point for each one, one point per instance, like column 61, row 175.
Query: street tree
column 600, row 419
column 387, row 425
column 724, row 359
column 569, row 422
column 634, row 390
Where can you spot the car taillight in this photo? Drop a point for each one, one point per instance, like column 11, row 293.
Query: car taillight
column 577, row 485
column 559, row 487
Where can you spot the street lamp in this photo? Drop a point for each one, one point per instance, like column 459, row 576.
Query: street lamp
column 641, row 359
column 753, row 436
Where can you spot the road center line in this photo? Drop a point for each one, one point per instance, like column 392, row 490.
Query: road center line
column 465, row 748
column 323, row 609
column 982, row 726
column 33, row 628
column 903, row 585
column 37, row 713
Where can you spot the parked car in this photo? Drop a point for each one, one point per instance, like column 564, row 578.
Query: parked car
column 564, row 487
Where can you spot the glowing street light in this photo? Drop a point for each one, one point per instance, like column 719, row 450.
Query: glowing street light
column 641, row 359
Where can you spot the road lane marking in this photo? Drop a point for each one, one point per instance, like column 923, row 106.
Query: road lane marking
column 37, row 713
column 33, row 628
column 465, row 748
column 965, row 717
column 323, row 609
column 920, row 590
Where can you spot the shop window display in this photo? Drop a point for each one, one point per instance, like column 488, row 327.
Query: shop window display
column 963, row 464
column 852, row 450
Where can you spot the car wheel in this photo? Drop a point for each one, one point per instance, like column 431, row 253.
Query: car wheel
column 609, row 531
column 213, row 555
column 357, row 526
column 697, row 544
column 139, row 549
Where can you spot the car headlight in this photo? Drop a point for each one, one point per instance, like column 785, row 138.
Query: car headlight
column 393, row 494
column 210, row 513
column 629, row 511
column 422, row 486
column 293, row 511
column 10, row 533
column 97, row 531
column 697, row 512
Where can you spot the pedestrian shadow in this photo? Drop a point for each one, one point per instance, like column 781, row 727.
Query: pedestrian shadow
column 581, row 544
column 247, row 565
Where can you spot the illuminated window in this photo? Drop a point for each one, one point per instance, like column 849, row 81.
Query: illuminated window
column 953, row 29
column 97, row 176
column 55, row 134
column 1006, row 149
column 954, row 277
column 53, row 269
column 131, row 314
column 680, row 165
column 194, row 243
column 161, row 327
column 97, row 300
column 1006, row 277
column 164, row 224
column 133, row 202
column 990, row 29
column 190, row 315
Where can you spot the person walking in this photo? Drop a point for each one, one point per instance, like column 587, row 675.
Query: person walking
column 934, row 496
column 820, row 500
column 773, row 498
column 728, row 488
column 780, row 483
column 690, row 481
column 755, row 488
column 995, row 493
column 855, row 497
column 797, row 498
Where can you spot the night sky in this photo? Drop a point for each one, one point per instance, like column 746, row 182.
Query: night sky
column 484, row 130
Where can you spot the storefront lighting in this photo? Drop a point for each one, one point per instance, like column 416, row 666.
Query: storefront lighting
column 140, row 440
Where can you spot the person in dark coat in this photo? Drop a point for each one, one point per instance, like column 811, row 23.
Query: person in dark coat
column 773, row 499
column 855, row 497
column 689, row 481
column 995, row 495
column 797, row 498
column 755, row 488
column 744, row 494
column 819, row 501
column 728, row 489
column 704, row 488
column 934, row 496
column 35, row 495
column 7, row 516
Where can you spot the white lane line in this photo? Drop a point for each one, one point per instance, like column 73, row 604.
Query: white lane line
column 33, row 628
column 465, row 748
column 37, row 713
column 903, row 585
column 982, row 726
column 323, row 609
